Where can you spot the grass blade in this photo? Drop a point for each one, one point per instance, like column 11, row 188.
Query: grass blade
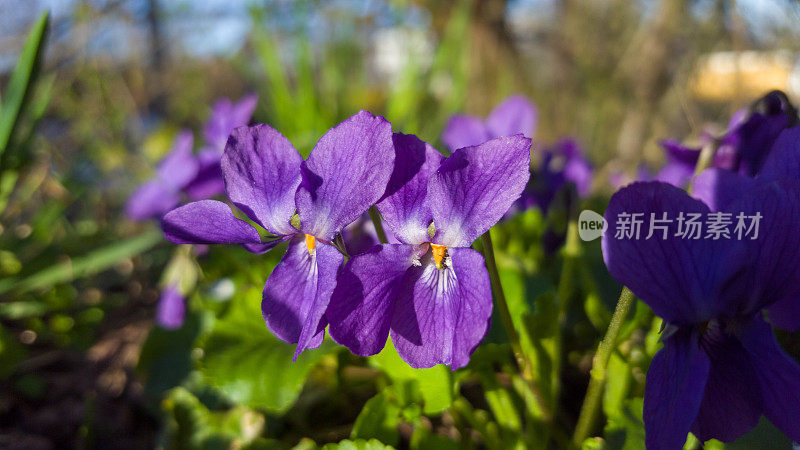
column 22, row 79
column 89, row 264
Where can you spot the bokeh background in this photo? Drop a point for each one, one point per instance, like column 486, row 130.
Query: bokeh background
column 81, row 362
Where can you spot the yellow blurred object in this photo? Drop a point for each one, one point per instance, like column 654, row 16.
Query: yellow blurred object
column 724, row 75
column 159, row 143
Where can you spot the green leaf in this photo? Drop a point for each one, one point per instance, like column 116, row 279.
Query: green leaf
column 245, row 361
column 18, row 153
column 379, row 419
column 11, row 353
column 357, row 444
column 8, row 180
column 625, row 430
column 500, row 402
column 166, row 358
column 764, row 435
column 594, row 443
column 22, row 79
column 89, row 264
column 617, row 385
column 435, row 384
column 190, row 424
column 423, row 439
column 532, row 303
column 596, row 311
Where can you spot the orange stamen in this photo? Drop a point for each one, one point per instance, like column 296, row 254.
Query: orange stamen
column 439, row 252
column 311, row 243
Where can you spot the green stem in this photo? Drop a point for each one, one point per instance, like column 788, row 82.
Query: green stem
column 705, row 159
column 598, row 374
column 376, row 220
column 508, row 323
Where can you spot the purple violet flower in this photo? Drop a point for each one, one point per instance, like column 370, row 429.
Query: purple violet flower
column 171, row 309
column 225, row 117
column 561, row 164
column 431, row 291
column 361, row 235
column 748, row 143
column 182, row 172
column 267, row 179
column 681, row 161
column 163, row 192
column 743, row 148
column 721, row 367
column 720, row 187
column 515, row 115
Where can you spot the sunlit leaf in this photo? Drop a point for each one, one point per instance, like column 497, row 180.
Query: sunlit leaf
column 22, row 79
column 379, row 420
column 435, row 384
column 625, row 430
column 357, row 444
column 245, row 361
column 618, row 382
column 190, row 424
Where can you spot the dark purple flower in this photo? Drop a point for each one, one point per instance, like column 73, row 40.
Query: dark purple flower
column 750, row 140
column 681, row 161
column 182, row 173
column 720, row 368
column 431, row 291
column 225, row 117
column 743, row 148
column 361, row 235
column 162, row 192
column 720, row 187
column 267, row 179
column 561, row 164
column 171, row 309
column 515, row 115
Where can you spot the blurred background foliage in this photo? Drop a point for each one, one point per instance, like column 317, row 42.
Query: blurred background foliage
column 85, row 118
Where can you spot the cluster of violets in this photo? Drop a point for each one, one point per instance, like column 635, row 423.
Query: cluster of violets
column 430, row 289
column 427, row 287
column 721, row 367
column 185, row 175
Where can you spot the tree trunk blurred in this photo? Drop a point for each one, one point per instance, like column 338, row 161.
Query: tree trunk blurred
column 157, row 56
column 492, row 48
column 649, row 70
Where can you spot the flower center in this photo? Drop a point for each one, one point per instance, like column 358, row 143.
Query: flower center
column 439, row 253
column 311, row 243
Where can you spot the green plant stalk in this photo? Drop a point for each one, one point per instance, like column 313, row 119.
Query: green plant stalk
column 22, row 80
column 572, row 252
column 597, row 380
column 505, row 316
column 705, row 159
column 376, row 220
